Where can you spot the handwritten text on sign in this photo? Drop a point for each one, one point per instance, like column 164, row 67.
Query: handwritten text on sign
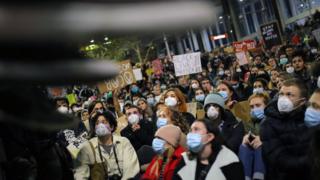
column 125, row 77
column 187, row 64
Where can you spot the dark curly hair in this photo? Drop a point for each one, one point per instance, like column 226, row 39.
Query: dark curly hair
column 110, row 117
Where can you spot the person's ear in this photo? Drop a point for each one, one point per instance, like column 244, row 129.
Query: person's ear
column 211, row 137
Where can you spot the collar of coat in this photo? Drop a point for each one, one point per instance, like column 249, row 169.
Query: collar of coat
column 224, row 158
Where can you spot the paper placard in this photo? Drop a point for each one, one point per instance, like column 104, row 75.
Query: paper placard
column 242, row 57
column 138, row 74
column 125, row 77
column 271, row 34
column 76, row 144
column 187, row 64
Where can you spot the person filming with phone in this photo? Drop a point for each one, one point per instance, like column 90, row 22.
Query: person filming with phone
column 250, row 151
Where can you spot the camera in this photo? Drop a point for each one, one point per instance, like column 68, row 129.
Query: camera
column 114, row 177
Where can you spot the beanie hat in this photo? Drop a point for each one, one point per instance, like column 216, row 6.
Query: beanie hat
column 214, row 98
column 169, row 133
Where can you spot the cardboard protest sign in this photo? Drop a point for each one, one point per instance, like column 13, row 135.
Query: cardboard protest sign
column 244, row 45
column 187, row 64
column 242, row 57
column 137, row 74
column 122, row 123
column 157, row 67
column 271, row 34
column 125, row 77
column 72, row 98
column 192, row 108
column 76, row 143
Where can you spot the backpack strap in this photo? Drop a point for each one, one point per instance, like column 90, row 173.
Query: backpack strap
column 94, row 152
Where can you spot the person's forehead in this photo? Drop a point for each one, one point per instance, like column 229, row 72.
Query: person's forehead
column 315, row 98
column 133, row 109
column 256, row 100
column 290, row 89
column 98, row 105
column 222, row 86
column 169, row 93
column 102, row 118
column 198, row 125
column 297, row 58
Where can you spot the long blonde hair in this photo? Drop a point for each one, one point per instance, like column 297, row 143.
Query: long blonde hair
column 156, row 167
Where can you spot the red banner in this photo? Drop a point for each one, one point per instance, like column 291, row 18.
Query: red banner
column 244, row 45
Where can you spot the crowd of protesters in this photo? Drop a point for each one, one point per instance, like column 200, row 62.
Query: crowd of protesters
column 260, row 120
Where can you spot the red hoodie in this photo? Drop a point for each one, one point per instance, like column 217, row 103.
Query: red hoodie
column 168, row 169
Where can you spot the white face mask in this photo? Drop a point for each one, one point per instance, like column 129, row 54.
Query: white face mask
column 238, row 70
column 170, row 101
column 194, row 86
column 134, row 119
column 63, row 110
column 102, row 130
column 157, row 98
column 258, row 90
column 285, row 105
column 290, row 70
column 212, row 113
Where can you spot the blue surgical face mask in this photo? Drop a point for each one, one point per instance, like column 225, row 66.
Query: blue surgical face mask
column 224, row 95
column 151, row 101
column 194, row 142
column 134, row 89
column 161, row 122
column 200, row 97
column 283, row 61
column 257, row 113
column 311, row 117
column 158, row 145
column 258, row 90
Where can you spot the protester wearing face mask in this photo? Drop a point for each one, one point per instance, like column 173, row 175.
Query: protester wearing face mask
column 230, row 98
column 250, row 151
column 174, row 99
column 166, row 145
column 62, row 105
column 194, row 84
column 85, row 119
column 274, row 75
column 284, row 136
column 232, row 130
column 139, row 131
column 157, row 92
column 145, row 108
column 107, row 155
column 166, row 116
column 207, row 158
column 151, row 99
column 135, row 89
column 94, row 107
column 260, row 86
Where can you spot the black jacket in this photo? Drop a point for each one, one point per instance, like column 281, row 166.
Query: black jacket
column 285, row 145
column 232, row 131
column 143, row 136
